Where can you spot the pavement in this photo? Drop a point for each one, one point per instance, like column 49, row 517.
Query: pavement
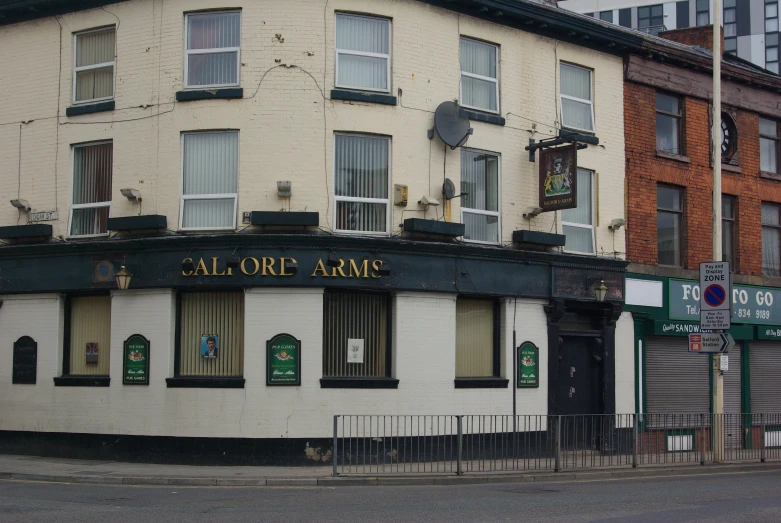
column 31, row 468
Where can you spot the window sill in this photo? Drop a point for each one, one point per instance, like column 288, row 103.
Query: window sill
column 210, row 94
column 731, row 168
column 769, row 176
column 481, row 383
column 673, row 156
column 480, row 116
column 363, row 96
column 359, row 383
column 82, row 381
column 204, row 383
column 99, row 107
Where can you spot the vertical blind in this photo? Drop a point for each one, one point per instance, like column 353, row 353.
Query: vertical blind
column 355, row 316
column 92, row 171
column 479, row 83
column 362, row 52
column 576, row 97
column 92, row 49
column 219, row 314
column 210, row 179
column 771, row 240
column 578, row 223
column 480, row 205
column 474, row 338
column 208, row 33
column 90, row 322
column 361, row 182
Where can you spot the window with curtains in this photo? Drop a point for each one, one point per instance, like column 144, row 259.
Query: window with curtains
column 479, row 75
column 89, row 339
column 771, row 239
column 480, row 189
column 577, row 106
column 356, row 334
column 477, row 338
column 213, row 49
column 769, row 141
column 210, row 174
column 578, row 223
column 93, row 72
column 92, row 171
column 669, row 123
column 363, row 50
column 669, row 224
column 211, row 334
column 361, row 177
column 728, row 240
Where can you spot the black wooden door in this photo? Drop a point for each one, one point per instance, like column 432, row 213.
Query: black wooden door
column 578, row 387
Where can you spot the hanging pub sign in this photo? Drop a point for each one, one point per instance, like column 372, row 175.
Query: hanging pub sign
column 283, row 360
column 528, row 365
column 136, row 361
column 558, row 178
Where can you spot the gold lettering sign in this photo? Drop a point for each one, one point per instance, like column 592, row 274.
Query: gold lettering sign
column 269, row 266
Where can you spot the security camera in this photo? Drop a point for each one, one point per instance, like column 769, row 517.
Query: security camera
column 532, row 211
column 429, row 200
column 616, row 224
column 22, row 205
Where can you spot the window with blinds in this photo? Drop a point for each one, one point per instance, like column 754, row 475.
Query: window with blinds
column 479, row 75
column 480, row 204
column 89, row 341
column 92, row 171
column 210, row 177
column 477, row 340
column 578, row 223
column 577, row 102
column 93, row 72
column 356, row 335
column 363, row 50
column 211, row 334
column 361, row 176
column 213, row 50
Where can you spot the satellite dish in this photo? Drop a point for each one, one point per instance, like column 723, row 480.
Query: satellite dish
column 451, row 124
column 448, row 189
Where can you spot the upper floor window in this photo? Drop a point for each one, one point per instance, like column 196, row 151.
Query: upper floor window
column 703, row 12
column 479, row 78
column 363, row 51
column 606, row 16
column 577, row 102
column 771, row 239
column 480, row 204
column 730, row 26
column 213, row 50
column 769, row 146
column 669, row 225
column 668, row 124
column 771, row 51
column 93, row 73
column 729, row 138
column 92, row 170
column 650, row 19
column 361, row 177
column 728, row 240
column 578, row 223
column 771, row 16
column 210, row 172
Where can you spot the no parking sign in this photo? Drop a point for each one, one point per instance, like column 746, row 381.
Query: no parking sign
column 716, row 289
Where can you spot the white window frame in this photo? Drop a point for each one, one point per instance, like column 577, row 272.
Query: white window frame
column 188, row 52
column 386, row 201
column 387, row 57
column 593, row 216
column 498, row 214
column 576, row 99
column 479, row 77
column 95, row 66
column 86, row 205
column 218, row 196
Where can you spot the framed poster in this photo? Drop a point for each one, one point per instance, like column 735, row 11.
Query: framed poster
column 210, row 345
column 558, row 178
column 92, row 353
column 135, row 369
column 528, row 365
column 283, row 360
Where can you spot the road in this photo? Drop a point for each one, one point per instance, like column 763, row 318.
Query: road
column 752, row 496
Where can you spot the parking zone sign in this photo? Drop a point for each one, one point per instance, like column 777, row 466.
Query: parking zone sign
column 715, row 296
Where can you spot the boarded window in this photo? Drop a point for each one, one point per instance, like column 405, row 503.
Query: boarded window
column 355, row 335
column 90, row 335
column 211, row 335
column 476, row 338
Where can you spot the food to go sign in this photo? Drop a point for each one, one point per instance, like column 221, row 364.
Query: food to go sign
column 758, row 305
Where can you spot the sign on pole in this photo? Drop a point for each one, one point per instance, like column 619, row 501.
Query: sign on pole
column 715, row 296
column 710, row 342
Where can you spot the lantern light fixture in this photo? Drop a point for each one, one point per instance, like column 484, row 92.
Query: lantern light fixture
column 123, row 277
column 601, row 292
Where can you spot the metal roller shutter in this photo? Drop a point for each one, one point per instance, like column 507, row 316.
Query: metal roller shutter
column 765, row 360
column 677, row 382
column 733, row 438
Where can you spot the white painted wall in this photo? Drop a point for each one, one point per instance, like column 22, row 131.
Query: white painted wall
column 625, row 361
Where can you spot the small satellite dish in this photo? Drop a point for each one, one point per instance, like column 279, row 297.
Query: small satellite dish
column 448, row 189
column 451, row 124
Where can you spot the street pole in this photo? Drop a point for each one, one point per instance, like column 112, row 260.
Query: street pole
column 718, row 379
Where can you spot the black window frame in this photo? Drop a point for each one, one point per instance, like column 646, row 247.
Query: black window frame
column 776, row 37
column 606, row 16
column 776, row 226
column 680, row 118
column 732, row 223
column 681, row 222
column 698, row 11
column 777, row 140
column 730, row 42
column 496, row 381
column 653, row 20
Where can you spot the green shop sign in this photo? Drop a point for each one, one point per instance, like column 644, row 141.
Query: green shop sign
column 752, row 305
column 769, row 333
column 283, row 360
column 528, row 365
column 136, row 361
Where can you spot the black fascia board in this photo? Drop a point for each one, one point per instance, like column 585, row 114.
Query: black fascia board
column 16, row 11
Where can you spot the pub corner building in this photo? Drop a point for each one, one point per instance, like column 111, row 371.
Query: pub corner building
column 226, row 228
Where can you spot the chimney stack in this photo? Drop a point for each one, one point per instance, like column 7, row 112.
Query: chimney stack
column 701, row 36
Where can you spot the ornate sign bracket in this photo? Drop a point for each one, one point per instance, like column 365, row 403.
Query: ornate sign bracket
column 580, row 140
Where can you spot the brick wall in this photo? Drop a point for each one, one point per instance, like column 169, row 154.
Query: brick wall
column 701, row 36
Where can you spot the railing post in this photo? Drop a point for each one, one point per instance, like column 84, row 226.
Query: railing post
column 634, row 440
column 762, row 438
column 702, row 439
column 336, row 426
column 460, row 444
column 557, row 466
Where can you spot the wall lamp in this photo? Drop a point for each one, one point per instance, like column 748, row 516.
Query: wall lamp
column 616, row 224
column 291, row 266
column 601, row 292
column 532, row 212
column 123, row 277
column 131, row 194
column 332, row 260
column 22, row 205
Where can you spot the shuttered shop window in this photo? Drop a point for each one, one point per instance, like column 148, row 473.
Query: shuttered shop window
column 475, row 338
column 765, row 374
column 211, row 314
column 677, row 382
column 354, row 316
column 90, row 323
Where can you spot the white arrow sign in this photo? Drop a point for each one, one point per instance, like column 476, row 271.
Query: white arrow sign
column 709, row 342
